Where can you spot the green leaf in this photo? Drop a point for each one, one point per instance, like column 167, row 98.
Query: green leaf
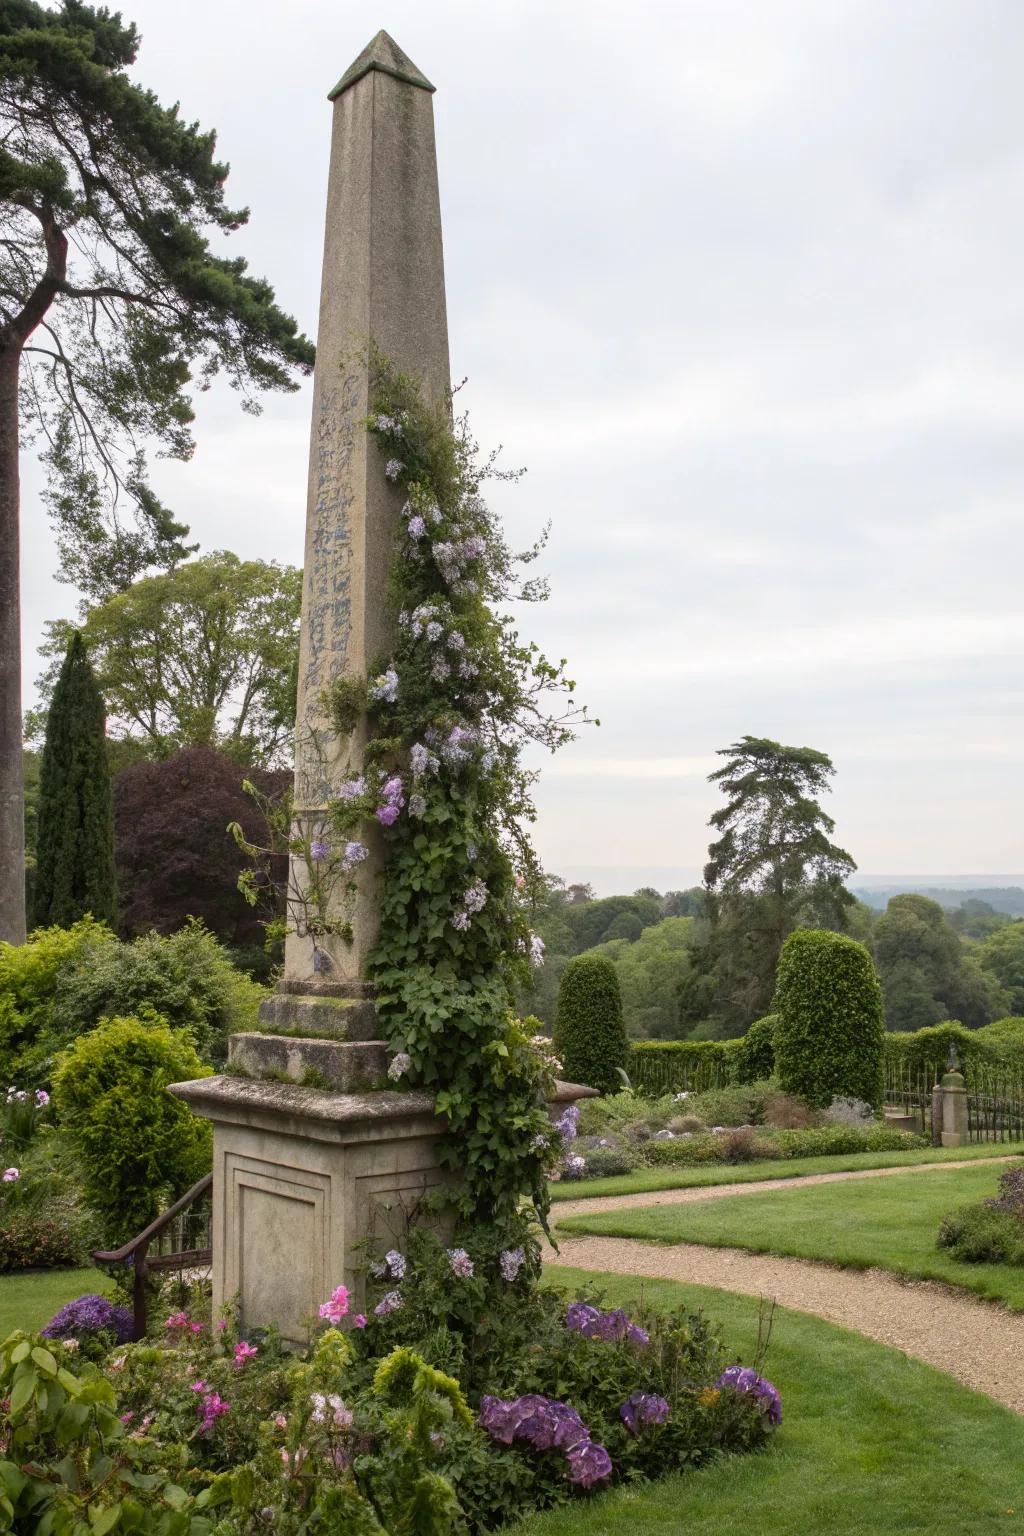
column 21, row 1393
column 21, row 1351
column 44, row 1360
column 104, row 1520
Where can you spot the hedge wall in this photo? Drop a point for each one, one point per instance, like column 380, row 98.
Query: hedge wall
column 926, row 1050
column 682, row 1066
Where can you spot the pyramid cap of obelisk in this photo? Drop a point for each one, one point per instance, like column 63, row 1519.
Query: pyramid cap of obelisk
column 382, row 53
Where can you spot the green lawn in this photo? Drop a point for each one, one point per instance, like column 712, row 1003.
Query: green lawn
column 891, row 1223
column 29, row 1301
column 646, row 1180
column 871, row 1444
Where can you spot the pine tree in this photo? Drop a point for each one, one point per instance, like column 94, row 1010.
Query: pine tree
column 75, row 860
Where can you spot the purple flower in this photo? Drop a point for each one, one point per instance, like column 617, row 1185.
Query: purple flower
column 456, row 747
column 473, row 547
column 440, row 671
column 511, row 1262
column 580, row 1315
column 389, row 424
column 393, row 468
column 475, row 898
column 434, row 630
column 575, row 1167
column 88, row 1315
column 11, row 1175
column 456, row 641
column 461, row 921
column 395, row 1264
column 392, row 791
column 748, row 1383
column 42, row 1098
column 642, row 1408
column 355, row 853
column 417, row 527
column 609, row 1327
column 461, row 1263
column 384, row 689
column 417, row 805
column 421, row 760
column 352, row 789
column 589, row 1463
column 567, row 1123
column 319, row 849
column 387, row 815
column 388, row 1304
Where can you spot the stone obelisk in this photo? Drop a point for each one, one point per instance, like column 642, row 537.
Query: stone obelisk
column 302, row 1173
column 382, row 286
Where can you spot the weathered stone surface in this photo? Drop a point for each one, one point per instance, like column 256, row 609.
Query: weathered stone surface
column 347, row 1065
column 301, row 1179
column 324, row 1017
column 383, row 282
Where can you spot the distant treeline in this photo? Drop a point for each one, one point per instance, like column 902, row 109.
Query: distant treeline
column 1008, row 898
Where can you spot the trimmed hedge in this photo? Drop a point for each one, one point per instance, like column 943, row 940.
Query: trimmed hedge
column 755, row 1052
column 830, row 1032
column 822, row 1141
column 682, row 1066
column 926, row 1050
column 589, row 1035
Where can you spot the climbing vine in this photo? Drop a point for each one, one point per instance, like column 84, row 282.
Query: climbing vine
column 448, row 714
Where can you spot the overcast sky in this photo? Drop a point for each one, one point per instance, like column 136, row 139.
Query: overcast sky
column 740, row 281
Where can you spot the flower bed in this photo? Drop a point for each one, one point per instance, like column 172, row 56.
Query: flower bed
column 464, row 1397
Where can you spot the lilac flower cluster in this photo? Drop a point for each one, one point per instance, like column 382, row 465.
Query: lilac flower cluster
column 393, row 800
column 88, row 1315
column 744, row 1379
column 547, row 1425
column 384, row 689
column 511, row 1262
column 400, row 1064
column 210, row 1407
column 393, row 468
column 642, row 1408
column 354, row 854
column 421, row 760
column 567, row 1123
column 319, row 850
column 392, row 424
column 388, row 1304
column 352, row 789
column 453, row 555
column 473, row 901
column 536, row 950
column 461, row 1263
column 610, row 1327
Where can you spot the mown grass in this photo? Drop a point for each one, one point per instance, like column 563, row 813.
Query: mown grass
column 29, row 1301
column 871, row 1443
column 647, row 1180
column 885, row 1223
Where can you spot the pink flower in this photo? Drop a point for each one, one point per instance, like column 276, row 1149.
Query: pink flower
column 196, row 1327
column 199, row 1386
column 359, row 1320
column 222, row 1325
column 126, row 1418
column 10, row 1174
column 335, row 1309
column 244, row 1352
column 177, row 1320
column 280, row 1422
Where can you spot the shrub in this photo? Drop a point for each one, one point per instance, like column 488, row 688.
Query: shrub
column 187, row 979
column 786, row 1113
column 744, row 1145
column 741, row 1104
column 57, row 1237
column 755, row 1051
column 139, row 1146
column 605, row 1162
column 687, row 1125
column 846, row 1111
column 819, row 1141
column 977, row 1234
column 589, row 1035
column 28, row 979
column 829, row 1036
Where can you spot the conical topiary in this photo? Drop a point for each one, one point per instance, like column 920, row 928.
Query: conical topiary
column 589, row 1035
column 75, row 871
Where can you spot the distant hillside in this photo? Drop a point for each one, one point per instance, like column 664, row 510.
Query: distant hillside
column 1007, row 898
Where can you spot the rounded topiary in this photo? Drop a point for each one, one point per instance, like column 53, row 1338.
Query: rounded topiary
column 830, row 1030
column 755, row 1053
column 139, row 1147
column 589, row 1035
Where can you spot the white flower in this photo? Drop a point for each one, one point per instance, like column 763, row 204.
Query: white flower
column 393, row 468
column 384, row 689
column 399, row 1066
column 536, row 949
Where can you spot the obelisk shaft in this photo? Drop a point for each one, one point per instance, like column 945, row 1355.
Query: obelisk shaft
column 383, row 285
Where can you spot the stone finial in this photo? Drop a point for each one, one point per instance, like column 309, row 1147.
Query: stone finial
column 383, row 54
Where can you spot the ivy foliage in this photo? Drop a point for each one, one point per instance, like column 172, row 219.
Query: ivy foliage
column 447, row 718
column 830, row 1031
column 590, row 1036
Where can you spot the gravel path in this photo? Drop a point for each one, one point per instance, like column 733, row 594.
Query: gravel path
column 563, row 1208
column 980, row 1344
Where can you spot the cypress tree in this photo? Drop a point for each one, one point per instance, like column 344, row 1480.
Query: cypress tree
column 75, row 858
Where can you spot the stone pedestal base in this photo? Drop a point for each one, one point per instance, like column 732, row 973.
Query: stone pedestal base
column 954, row 1110
column 302, row 1178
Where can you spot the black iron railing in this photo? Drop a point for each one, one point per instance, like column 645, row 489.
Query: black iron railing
column 179, row 1240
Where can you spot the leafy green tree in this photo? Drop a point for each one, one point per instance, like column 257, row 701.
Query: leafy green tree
column 652, row 969
column 204, row 655
column 111, row 303
column 589, row 1033
column 772, row 868
column 927, row 975
column 75, row 846
column 589, row 921
column 1002, row 957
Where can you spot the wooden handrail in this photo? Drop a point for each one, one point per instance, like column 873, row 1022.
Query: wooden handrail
column 121, row 1255
column 136, row 1252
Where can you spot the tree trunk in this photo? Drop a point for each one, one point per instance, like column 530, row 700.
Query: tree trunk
column 12, row 791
